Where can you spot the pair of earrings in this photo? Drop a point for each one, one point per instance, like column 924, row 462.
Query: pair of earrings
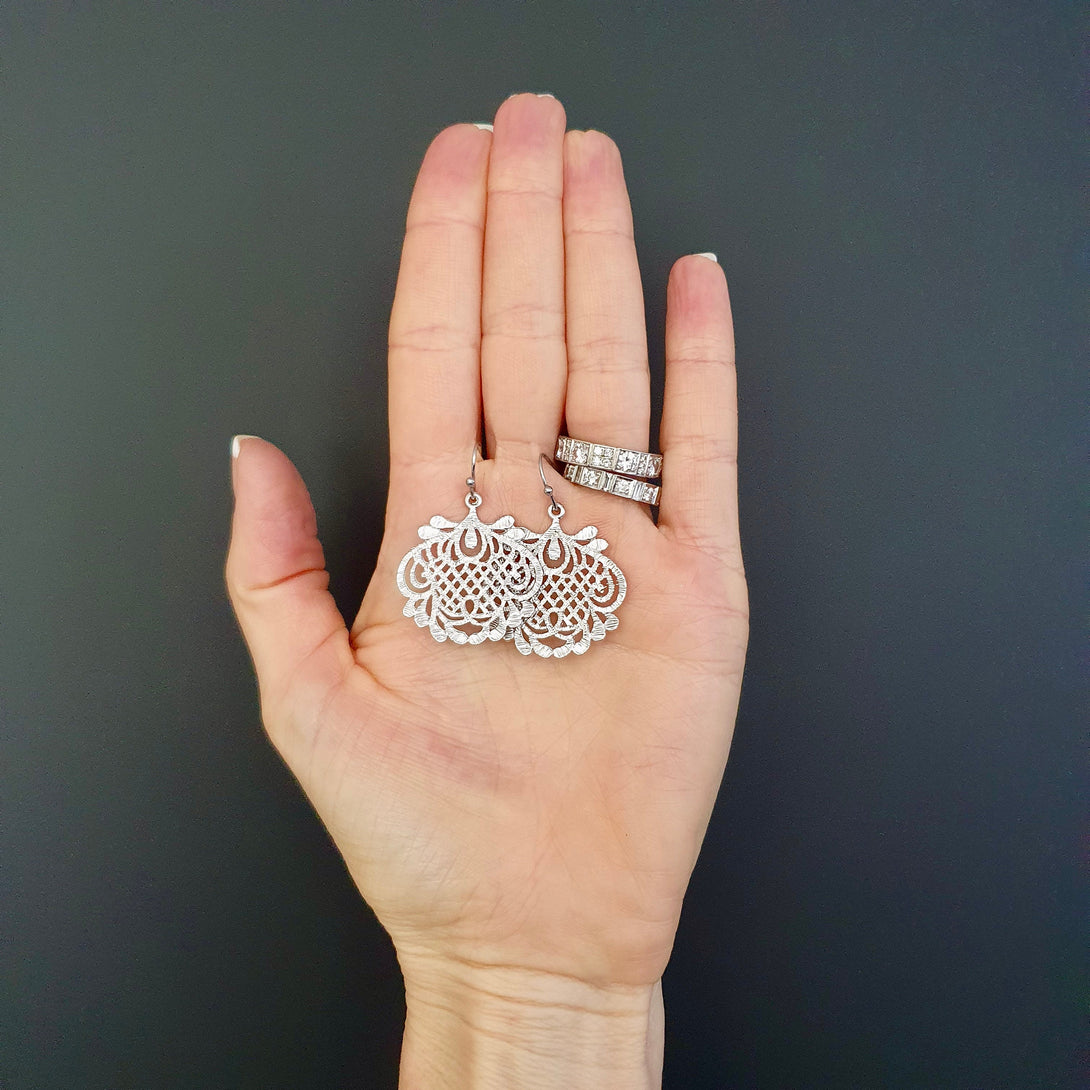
column 552, row 593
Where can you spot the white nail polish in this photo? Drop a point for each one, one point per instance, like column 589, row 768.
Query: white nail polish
column 483, row 125
column 708, row 255
column 235, row 444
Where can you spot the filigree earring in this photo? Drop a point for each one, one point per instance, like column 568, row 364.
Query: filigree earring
column 579, row 593
column 470, row 581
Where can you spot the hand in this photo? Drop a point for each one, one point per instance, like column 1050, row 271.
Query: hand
column 524, row 828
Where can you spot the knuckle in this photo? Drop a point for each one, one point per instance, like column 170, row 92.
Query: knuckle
column 602, row 227
column 701, row 449
column 523, row 189
column 609, row 353
column 440, row 220
column 526, row 319
column 433, row 337
column 698, row 351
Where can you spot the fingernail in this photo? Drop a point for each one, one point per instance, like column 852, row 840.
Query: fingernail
column 545, row 94
column 709, row 255
column 236, row 444
column 483, row 125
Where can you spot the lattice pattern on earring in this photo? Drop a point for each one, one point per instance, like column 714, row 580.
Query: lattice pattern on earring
column 470, row 581
column 580, row 589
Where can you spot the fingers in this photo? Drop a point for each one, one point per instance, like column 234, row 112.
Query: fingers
column 608, row 396
column 276, row 579
column 700, row 412
column 435, row 329
column 523, row 357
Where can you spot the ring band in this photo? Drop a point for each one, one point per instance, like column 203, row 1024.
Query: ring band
column 636, row 463
column 604, row 481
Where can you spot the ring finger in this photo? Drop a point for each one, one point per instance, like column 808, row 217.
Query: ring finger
column 608, row 395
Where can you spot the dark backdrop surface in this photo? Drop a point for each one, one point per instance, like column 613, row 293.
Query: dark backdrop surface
column 205, row 204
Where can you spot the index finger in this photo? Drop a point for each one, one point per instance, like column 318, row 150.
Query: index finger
column 435, row 322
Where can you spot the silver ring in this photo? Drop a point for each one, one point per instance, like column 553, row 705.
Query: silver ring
column 636, row 463
column 604, row 481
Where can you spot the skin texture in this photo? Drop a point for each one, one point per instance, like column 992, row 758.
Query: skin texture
column 523, row 828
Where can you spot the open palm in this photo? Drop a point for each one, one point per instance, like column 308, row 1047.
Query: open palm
column 496, row 809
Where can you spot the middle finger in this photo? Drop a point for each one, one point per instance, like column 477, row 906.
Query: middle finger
column 523, row 354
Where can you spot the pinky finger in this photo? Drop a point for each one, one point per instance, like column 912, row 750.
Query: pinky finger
column 699, row 433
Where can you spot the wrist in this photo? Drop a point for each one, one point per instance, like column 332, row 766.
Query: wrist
column 474, row 1027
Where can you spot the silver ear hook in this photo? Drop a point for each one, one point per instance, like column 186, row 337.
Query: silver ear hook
column 554, row 507
column 473, row 499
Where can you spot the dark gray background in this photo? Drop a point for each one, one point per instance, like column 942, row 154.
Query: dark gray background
column 204, row 209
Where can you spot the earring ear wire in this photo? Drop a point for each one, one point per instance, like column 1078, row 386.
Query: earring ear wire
column 554, row 508
column 471, row 480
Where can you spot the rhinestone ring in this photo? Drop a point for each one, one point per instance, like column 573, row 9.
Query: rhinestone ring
column 614, row 483
column 636, row 463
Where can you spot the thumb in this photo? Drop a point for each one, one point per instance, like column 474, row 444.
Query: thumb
column 278, row 585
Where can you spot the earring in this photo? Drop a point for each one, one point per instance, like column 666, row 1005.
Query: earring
column 470, row 581
column 580, row 588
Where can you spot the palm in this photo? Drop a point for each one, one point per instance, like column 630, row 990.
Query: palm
column 507, row 809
